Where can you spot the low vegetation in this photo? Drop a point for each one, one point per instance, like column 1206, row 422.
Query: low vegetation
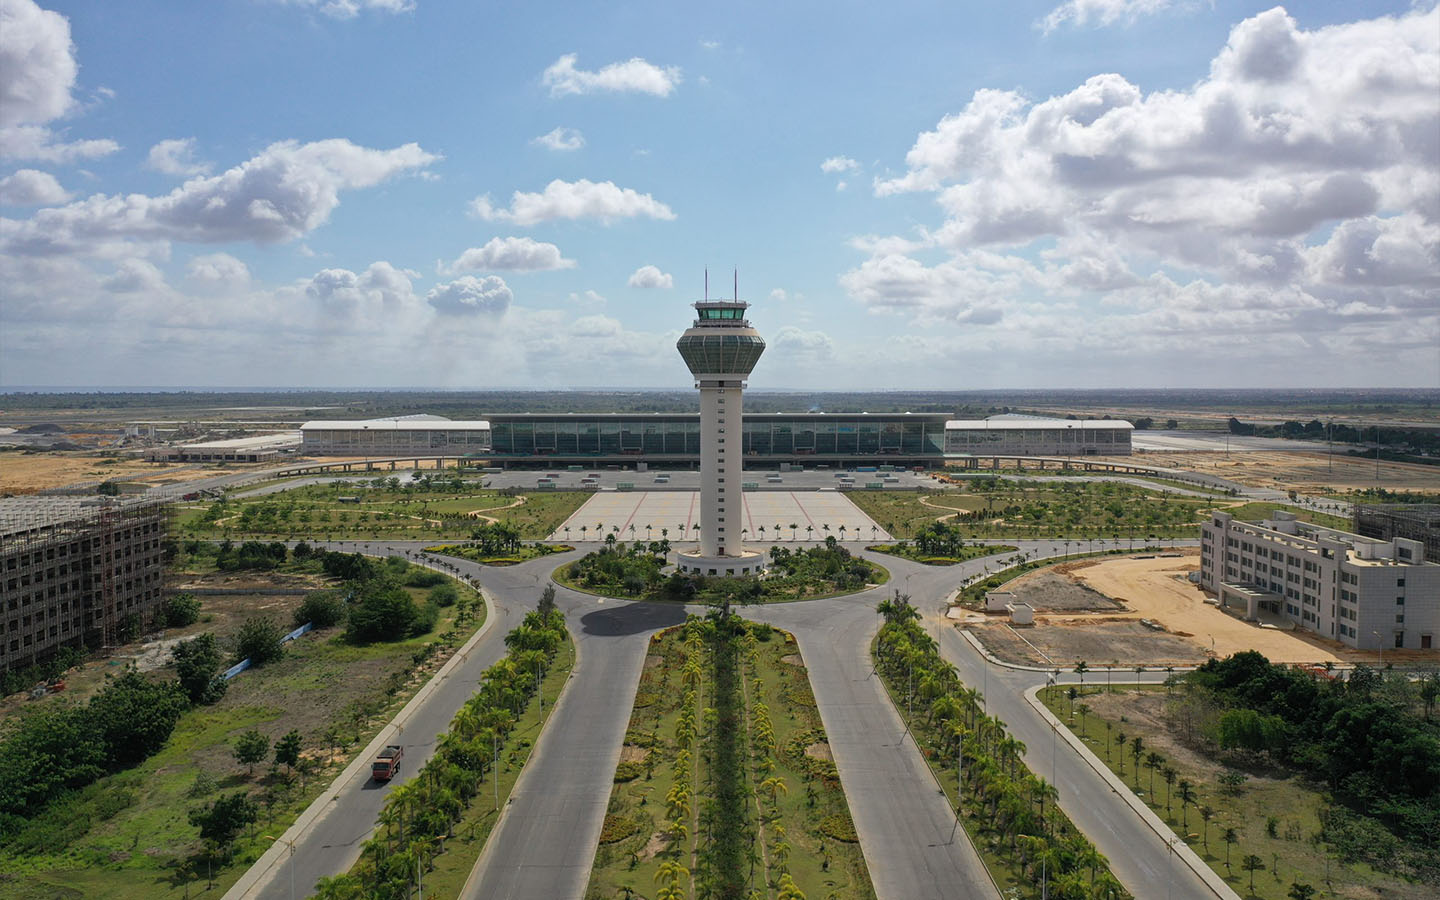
column 1324, row 782
column 497, row 545
column 1030, row 845
column 635, row 570
column 1030, row 510
column 938, row 544
column 159, row 778
column 425, row 507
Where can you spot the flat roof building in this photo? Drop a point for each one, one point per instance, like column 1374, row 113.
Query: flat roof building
column 674, row 438
column 1362, row 592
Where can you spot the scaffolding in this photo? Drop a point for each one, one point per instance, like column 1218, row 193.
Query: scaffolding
column 72, row 569
column 1416, row 522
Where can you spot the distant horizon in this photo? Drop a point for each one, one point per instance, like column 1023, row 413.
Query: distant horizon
column 295, row 389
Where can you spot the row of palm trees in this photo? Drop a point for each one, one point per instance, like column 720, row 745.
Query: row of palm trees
column 420, row 815
column 1004, row 801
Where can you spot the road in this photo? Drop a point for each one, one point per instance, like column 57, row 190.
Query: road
column 544, row 845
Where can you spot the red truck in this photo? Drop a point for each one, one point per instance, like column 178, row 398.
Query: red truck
column 387, row 763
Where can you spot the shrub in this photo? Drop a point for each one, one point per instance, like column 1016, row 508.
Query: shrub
column 839, row 827
column 196, row 662
column 384, row 612
column 421, row 577
column 617, row 828
column 259, row 641
column 180, row 610
column 628, row 770
column 323, row 609
column 443, row 595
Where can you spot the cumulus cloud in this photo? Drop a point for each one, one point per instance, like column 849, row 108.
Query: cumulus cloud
column 217, row 271
column 176, row 156
column 1292, row 188
column 632, row 76
column 838, row 164
column 134, row 276
column 587, row 299
column 382, row 289
column 37, row 77
column 286, row 191
column 510, row 254
column 1100, row 12
column 31, row 187
column 651, row 277
column 802, row 347
column 573, row 200
column 469, row 295
column 37, row 64
column 561, row 139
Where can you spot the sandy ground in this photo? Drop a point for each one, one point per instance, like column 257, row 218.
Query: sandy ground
column 1102, row 642
column 1304, row 472
column 26, row 474
column 1157, row 589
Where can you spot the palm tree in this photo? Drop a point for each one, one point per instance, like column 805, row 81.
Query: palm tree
column 567, row 532
column 1206, row 814
column 1153, row 761
column 809, row 530
column 1187, row 797
column 583, row 529
column 1137, row 750
column 1121, row 740
column 793, row 529
column 1251, row 863
column 1170, row 775
column 1231, row 838
column 1081, row 667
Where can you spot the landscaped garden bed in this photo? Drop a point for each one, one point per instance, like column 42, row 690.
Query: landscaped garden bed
column 725, row 783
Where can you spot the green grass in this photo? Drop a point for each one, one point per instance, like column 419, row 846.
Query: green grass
column 316, row 512
column 786, row 590
column 1294, row 805
column 138, row 852
column 449, row 868
column 821, row 865
column 1257, row 510
column 966, row 554
column 1036, row 510
column 474, row 554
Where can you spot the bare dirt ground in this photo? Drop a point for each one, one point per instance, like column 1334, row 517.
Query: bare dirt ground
column 1299, row 471
column 1047, row 590
column 1158, row 589
column 1099, row 642
column 27, row 473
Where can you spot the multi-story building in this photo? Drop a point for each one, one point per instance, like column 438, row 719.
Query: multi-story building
column 1416, row 521
column 72, row 570
column 1365, row 593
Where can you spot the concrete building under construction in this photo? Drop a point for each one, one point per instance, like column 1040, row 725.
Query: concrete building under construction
column 1415, row 522
column 73, row 570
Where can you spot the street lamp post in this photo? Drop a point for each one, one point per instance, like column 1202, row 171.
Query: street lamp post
column 1380, row 642
column 291, row 864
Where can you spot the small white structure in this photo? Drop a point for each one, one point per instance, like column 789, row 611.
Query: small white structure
column 998, row 601
column 1021, row 613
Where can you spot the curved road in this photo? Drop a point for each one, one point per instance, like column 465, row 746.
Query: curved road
column 544, row 844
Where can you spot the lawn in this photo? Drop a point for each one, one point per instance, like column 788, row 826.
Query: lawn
column 476, row 554
column 1275, row 815
column 448, row 508
column 127, row 835
column 1012, row 508
column 805, row 810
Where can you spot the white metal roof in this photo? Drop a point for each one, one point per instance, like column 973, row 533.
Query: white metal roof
column 1014, row 424
column 397, row 423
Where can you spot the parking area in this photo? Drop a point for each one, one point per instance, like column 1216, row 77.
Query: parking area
column 674, row 513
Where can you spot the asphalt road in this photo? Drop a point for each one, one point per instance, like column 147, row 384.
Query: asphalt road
column 545, row 843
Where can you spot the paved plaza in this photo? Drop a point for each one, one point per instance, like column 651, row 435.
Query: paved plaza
column 679, row 511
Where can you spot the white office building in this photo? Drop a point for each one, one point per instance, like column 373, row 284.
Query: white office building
column 1365, row 593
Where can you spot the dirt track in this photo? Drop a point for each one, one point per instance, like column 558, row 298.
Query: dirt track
column 1304, row 472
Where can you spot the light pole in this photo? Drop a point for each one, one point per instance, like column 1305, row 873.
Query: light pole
column 291, row 845
column 1380, row 642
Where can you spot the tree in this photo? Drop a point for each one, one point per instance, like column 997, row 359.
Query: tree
column 222, row 821
column 547, row 597
column 250, row 748
column 259, row 641
column 1187, row 796
column 384, row 612
column 322, row 609
column 196, row 663
column 135, row 716
column 1232, row 837
column 1252, row 863
column 1300, row 891
column 287, row 749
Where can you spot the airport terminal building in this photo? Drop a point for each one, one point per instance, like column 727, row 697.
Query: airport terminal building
column 668, row 439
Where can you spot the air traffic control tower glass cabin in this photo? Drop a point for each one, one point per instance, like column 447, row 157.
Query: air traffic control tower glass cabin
column 721, row 349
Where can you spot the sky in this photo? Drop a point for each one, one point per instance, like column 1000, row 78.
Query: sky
column 948, row 195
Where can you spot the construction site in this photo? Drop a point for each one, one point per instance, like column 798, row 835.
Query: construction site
column 76, row 572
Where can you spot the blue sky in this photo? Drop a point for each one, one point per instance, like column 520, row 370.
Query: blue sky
column 951, row 195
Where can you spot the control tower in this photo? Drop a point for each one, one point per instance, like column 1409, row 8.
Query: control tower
column 721, row 349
